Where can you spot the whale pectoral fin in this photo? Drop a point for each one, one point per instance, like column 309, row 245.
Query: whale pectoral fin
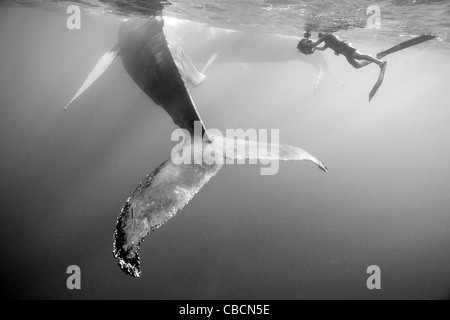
column 209, row 62
column 244, row 149
column 319, row 78
column 157, row 199
column 185, row 66
column 193, row 76
column 102, row 65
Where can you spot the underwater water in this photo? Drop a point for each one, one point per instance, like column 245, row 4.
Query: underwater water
column 299, row 234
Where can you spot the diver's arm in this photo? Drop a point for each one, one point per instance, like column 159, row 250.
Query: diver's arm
column 323, row 48
column 319, row 41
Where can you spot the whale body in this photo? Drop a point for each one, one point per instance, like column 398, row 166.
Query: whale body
column 147, row 59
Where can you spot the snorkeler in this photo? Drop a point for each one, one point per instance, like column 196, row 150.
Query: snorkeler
column 306, row 46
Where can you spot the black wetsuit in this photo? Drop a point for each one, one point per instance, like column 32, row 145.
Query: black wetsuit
column 338, row 45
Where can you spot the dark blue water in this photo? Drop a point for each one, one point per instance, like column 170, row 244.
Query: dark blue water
column 300, row 234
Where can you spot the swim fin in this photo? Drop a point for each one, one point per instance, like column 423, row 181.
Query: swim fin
column 405, row 44
column 379, row 81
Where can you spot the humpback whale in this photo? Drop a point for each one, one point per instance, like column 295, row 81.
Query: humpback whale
column 160, row 67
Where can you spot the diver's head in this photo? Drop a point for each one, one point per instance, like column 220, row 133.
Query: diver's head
column 320, row 35
column 304, row 48
column 307, row 34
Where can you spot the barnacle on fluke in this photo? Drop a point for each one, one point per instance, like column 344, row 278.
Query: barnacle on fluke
column 124, row 251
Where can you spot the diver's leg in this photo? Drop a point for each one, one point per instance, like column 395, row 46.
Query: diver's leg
column 364, row 63
column 368, row 59
column 356, row 64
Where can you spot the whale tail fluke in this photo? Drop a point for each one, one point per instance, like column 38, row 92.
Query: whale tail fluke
column 102, row 65
column 238, row 149
column 158, row 198
column 171, row 186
